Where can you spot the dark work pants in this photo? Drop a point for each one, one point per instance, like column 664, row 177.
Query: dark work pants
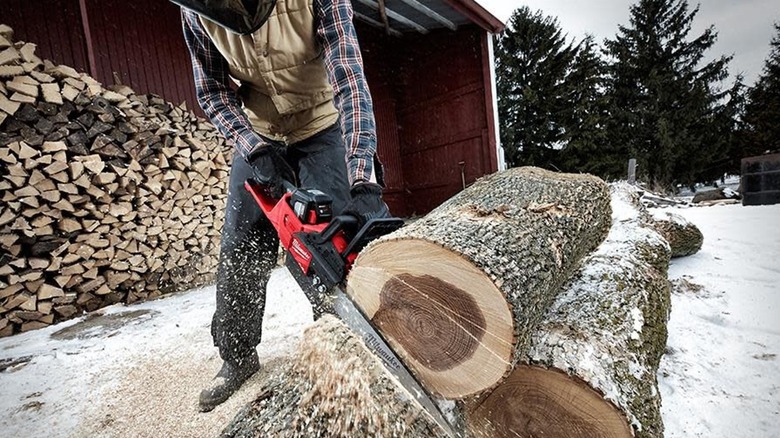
column 249, row 245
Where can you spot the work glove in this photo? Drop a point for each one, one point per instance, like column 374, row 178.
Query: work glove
column 366, row 203
column 270, row 170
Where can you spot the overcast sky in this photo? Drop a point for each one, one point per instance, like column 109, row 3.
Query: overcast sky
column 744, row 27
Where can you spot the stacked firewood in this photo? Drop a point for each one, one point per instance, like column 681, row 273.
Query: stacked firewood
column 107, row 196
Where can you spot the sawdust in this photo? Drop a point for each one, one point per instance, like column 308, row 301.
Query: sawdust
column 305, row 396
column 334, row 387
column 159, row 398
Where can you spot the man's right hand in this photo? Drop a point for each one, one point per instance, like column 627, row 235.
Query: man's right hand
column 270, row 169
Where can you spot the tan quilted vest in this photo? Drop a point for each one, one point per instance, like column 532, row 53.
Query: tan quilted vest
column 282, row 79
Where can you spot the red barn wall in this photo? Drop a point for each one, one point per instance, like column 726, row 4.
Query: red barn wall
column 431, row 92
column 442, row 121
column 139, row 43
column 434, row 113
column 381, row 74
column 54, row 25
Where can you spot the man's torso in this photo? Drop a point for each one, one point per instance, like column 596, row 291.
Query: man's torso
column 282, row 79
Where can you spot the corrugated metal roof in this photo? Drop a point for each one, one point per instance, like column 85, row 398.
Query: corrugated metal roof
column 421, row 16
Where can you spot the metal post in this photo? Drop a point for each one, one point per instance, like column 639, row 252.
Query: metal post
column 632, row 171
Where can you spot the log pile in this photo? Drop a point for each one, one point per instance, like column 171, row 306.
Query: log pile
column 591, row 368
column 711, row 197
column 586, row 329
column 107, row 196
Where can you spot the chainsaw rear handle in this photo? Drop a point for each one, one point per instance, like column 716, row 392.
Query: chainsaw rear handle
column 344, row 222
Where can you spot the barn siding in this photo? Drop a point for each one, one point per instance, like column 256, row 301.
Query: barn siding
column 430, row 99
column 53, row 25
column 141, row 44
column 381, row 74
column 444, row 131
column 431, row 92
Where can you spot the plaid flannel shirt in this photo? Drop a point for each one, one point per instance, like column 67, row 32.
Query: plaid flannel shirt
column 344, row 64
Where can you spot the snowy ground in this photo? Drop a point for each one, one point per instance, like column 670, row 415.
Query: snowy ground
column 135, row 371
column 721, row 374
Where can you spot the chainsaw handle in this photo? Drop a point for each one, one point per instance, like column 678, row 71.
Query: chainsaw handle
column 338, row 223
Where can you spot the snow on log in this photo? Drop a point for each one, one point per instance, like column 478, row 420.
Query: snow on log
column 333, row 387
column 684, row 237
column 718, row 194
column 458, row 292
column 591, row 368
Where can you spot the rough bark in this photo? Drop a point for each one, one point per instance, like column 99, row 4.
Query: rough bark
column 588, row 368
column 458, row 292
column 591, row 367
column 333, row 387
column 684, row 237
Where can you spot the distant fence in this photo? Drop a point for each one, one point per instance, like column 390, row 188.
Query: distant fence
column 761, row 180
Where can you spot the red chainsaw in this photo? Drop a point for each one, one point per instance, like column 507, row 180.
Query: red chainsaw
column 320, row 249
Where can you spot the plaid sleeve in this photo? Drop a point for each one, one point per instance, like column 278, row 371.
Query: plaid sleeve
column 212, row 87
column 345, row 72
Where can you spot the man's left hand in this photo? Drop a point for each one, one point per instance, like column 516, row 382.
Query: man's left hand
column 366, row 203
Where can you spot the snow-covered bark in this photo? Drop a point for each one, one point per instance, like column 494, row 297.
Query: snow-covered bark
column 684, row 237
column 593, row 359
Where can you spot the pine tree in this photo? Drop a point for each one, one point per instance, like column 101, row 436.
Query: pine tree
column 664, row 104
column 762, row 111
column 533, row 60
column 586, row 147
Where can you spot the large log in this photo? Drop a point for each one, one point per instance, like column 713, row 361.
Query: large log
column 458, row 292
column 588, row 369
column 591, row 369
column 332, row 387
column 683, row 236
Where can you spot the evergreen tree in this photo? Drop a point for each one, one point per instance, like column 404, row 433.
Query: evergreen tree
column 585, row 149
column 762, row 111
column 664, row 104
column 725, row 135
column 533, row 60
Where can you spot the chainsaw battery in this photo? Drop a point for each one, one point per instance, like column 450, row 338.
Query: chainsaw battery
column 312, row 206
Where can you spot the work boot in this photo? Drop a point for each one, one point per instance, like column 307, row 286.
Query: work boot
column 227, row 381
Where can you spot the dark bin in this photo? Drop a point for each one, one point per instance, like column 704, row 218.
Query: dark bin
column 761, row 180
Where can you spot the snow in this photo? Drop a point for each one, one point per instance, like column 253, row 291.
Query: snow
column 721, row 374
column 137, row 370
column 134, row 370
column 666, row 215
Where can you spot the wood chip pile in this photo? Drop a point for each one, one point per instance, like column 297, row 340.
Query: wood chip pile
column 107, row 196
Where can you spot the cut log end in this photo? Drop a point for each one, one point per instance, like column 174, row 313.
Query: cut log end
column 539, row 402
column 445, row 317
column 405, row 313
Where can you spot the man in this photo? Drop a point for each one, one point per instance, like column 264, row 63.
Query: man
column 302, row 110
